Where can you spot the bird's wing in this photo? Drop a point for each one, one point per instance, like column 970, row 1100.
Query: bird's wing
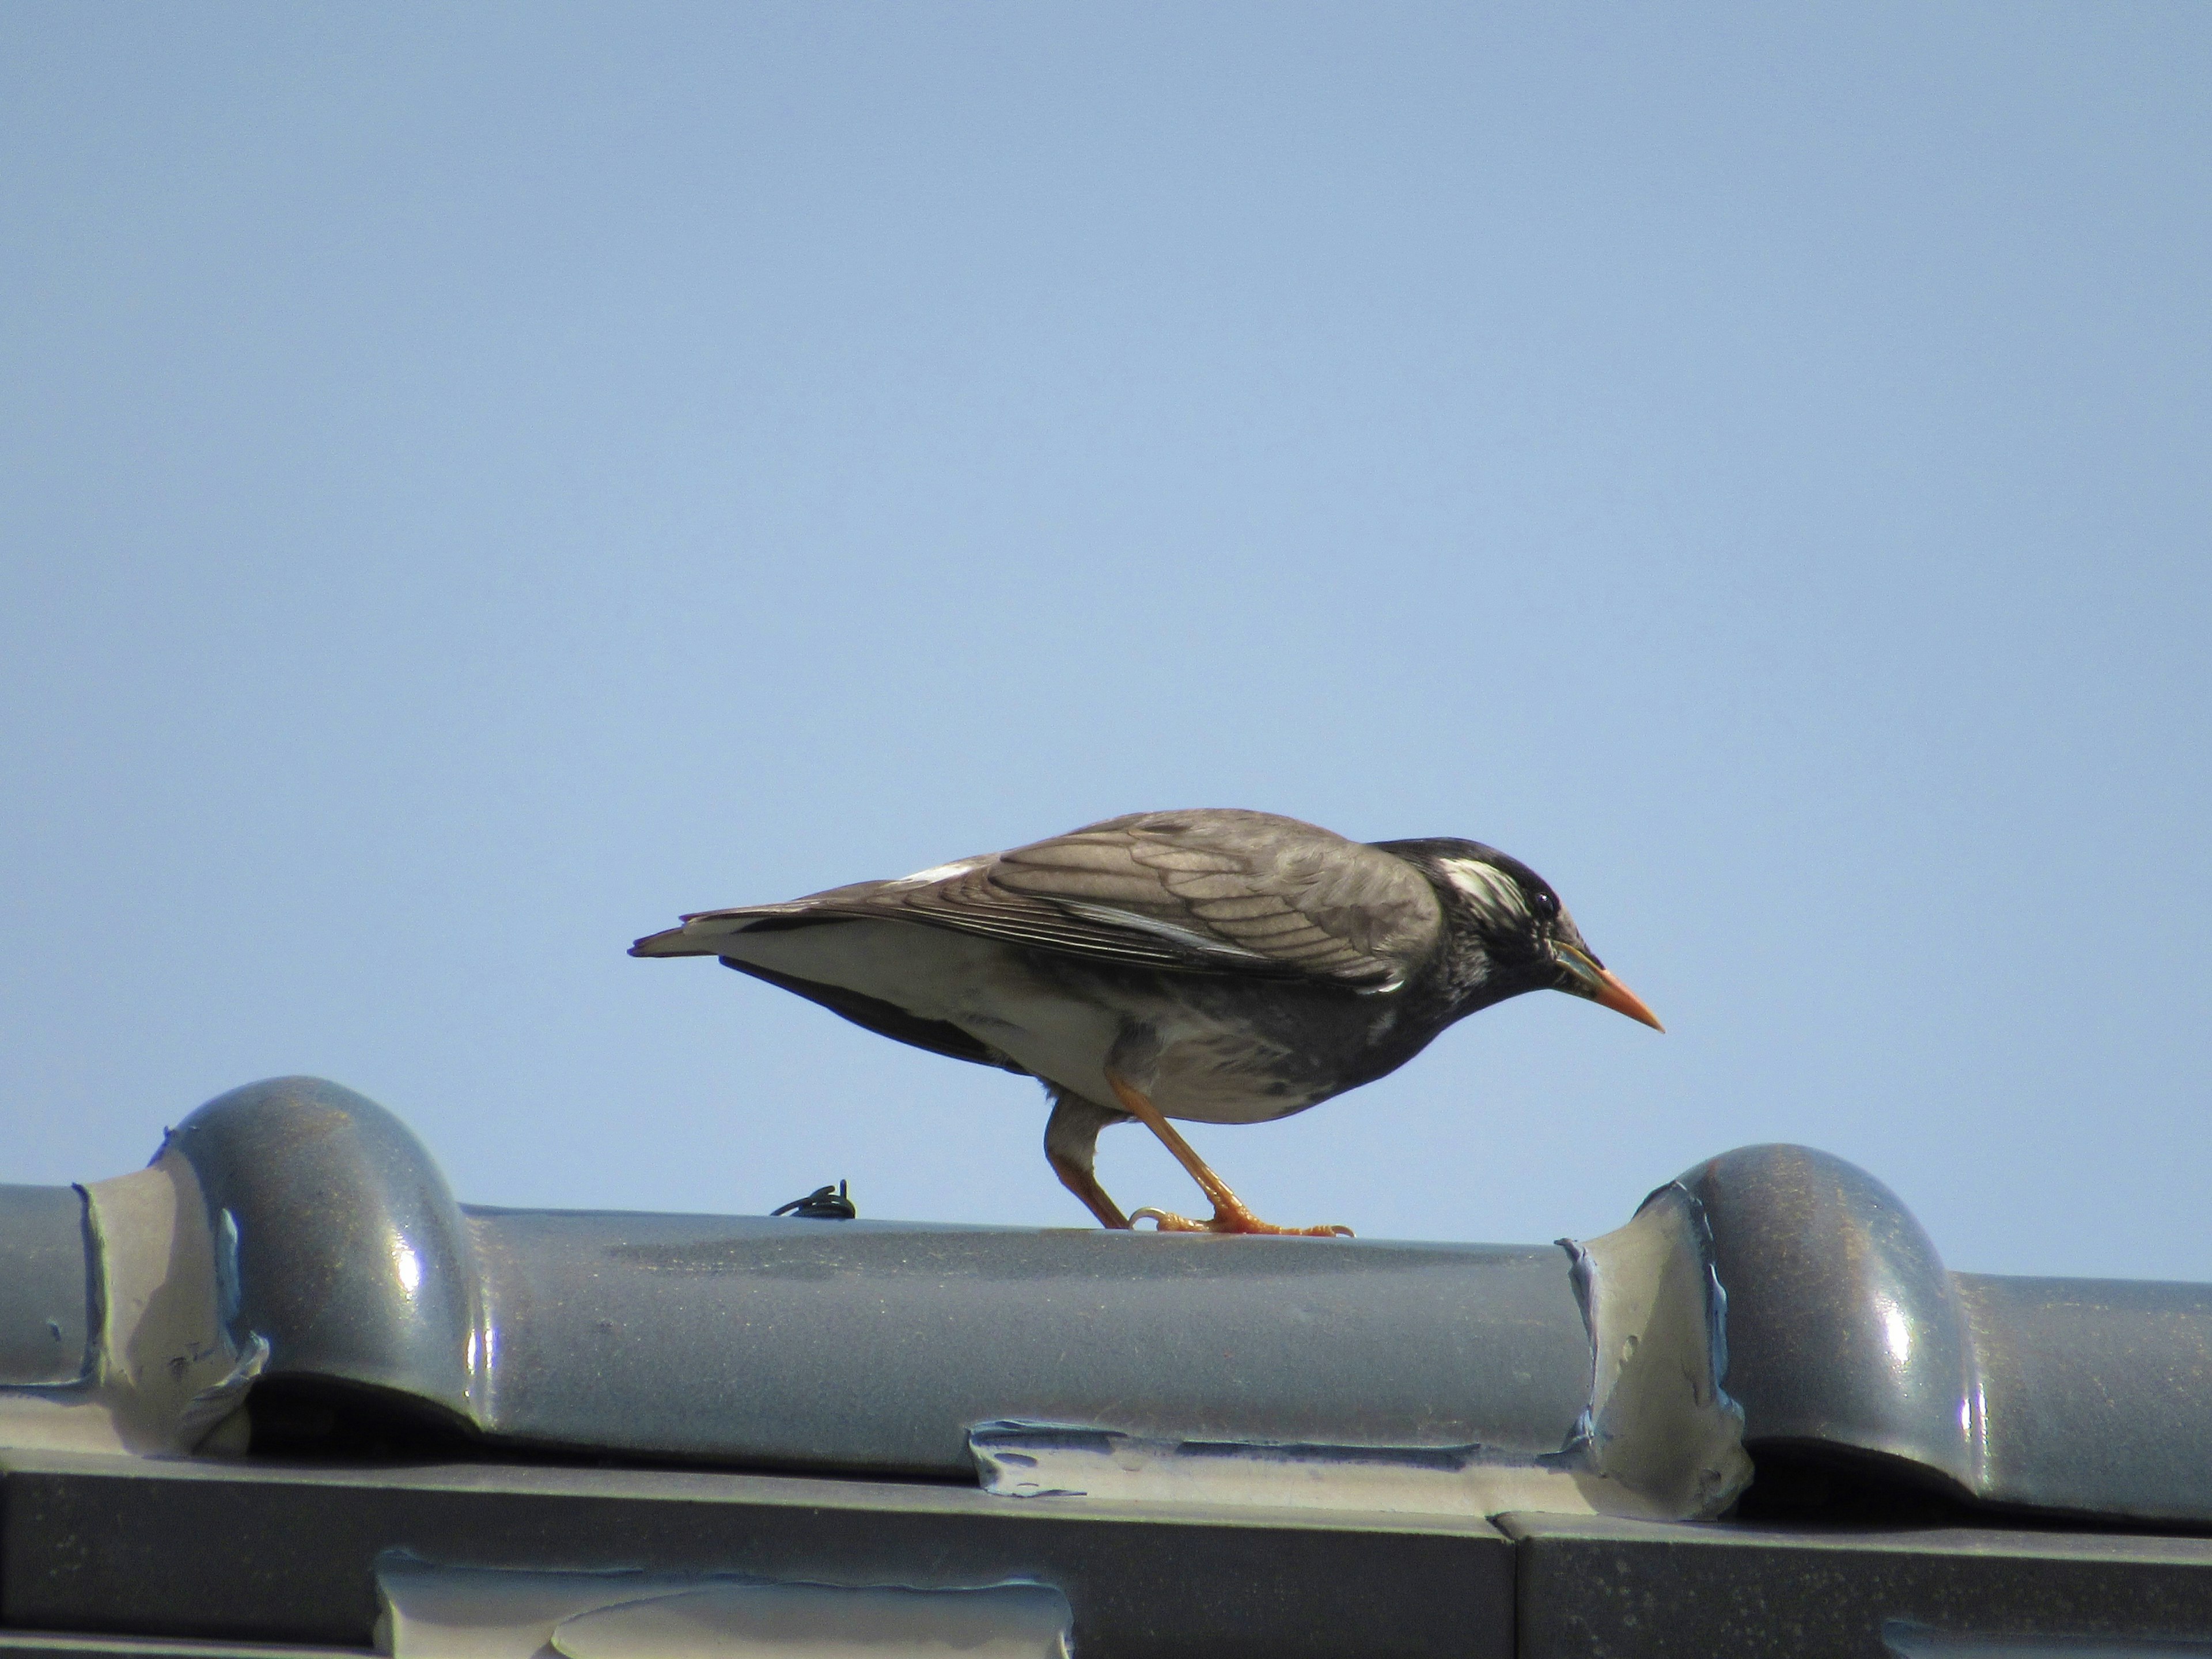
column 1212, row 891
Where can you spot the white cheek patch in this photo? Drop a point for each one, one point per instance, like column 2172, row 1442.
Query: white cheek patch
column 1488, row 888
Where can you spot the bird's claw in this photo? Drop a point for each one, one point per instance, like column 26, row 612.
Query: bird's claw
column 1230, row 1221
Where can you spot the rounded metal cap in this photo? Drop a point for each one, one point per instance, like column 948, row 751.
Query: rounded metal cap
column 337, row 1239
column 1843, row 1325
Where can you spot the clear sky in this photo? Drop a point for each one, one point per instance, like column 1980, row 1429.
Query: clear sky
column 476, row 482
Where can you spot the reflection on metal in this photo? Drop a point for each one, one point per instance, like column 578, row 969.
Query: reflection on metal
column 1844, row 1331
column 348, row 1250
column 869, row 1346
column 295, row 1231
column 1822, row 1264
column 1657, row 1437
column 430, row 1612
column 2091, row 1395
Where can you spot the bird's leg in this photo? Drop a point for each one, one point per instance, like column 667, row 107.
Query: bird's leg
column 1071, row 1144
column 1229, row 1213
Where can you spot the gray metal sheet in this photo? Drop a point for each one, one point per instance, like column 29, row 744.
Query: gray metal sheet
column 2092, row 1394
column 255, row 1553
column 1842, row 1328
column 1845, row 1331
column 875, row 1345
column 53, row 1644
column 46, row 1303
column 1594, row 1585
column 339, row 1242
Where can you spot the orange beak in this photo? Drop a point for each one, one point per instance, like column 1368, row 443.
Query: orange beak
column 1622, row 1000
column 1601, row 986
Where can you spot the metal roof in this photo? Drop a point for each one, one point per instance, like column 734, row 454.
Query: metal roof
column 294, row 1232
column 279, row 1387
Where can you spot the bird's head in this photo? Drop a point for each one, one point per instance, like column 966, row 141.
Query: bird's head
column 1507, row 933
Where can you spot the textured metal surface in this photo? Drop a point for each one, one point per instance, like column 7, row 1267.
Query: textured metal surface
column 2092, row 1394
column 876, row 1347
column 1907, row 1639
column 236, row 1554
column 52, row 1645
column 1842, row 1327
column 1594, row 1587
column 247, row 1552
column 337, row 1241
column 1845, row 1331
column 871, row 1345
column 854, row 1344
column 47, row 1308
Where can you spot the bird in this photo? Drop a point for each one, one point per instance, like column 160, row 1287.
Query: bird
column 1215, row 965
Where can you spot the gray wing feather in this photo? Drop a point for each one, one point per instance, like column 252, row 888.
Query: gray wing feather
column 1217, row 889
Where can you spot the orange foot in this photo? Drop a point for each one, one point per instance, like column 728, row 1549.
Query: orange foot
column 1231, row 1218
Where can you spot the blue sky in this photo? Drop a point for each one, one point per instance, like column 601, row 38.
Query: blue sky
column 479, row 482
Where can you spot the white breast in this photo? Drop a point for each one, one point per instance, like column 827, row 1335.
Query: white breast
column 1208, row 1071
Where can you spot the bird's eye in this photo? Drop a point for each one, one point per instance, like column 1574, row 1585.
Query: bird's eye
column 1547, row 902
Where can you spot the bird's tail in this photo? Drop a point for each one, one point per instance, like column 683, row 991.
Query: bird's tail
column 707, row 934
